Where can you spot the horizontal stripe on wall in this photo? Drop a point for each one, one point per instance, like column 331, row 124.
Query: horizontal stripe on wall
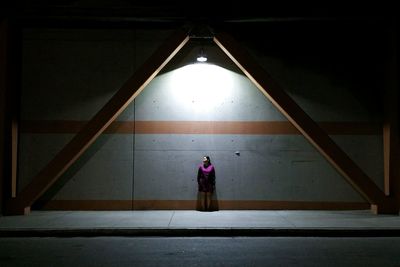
column 193, row 204
column 200, row 127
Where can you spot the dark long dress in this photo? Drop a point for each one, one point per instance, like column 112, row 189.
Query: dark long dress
column 206, row 178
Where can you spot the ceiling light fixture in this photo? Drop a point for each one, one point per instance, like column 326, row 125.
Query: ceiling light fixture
column 202, row 57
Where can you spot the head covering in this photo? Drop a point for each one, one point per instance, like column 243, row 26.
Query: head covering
column 206, row 158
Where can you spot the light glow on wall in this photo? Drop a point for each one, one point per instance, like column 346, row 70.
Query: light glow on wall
column 203, row 86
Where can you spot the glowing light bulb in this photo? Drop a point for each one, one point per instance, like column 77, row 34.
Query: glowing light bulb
column 202, row 56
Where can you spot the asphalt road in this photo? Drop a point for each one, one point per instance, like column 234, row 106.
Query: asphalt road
column 200, row 251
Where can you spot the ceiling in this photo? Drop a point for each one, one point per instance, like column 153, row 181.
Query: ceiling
column 157, row 11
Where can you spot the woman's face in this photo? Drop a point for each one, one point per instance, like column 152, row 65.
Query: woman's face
column 205, row 161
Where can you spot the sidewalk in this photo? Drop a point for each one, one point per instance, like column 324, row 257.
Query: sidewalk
column 196, row 223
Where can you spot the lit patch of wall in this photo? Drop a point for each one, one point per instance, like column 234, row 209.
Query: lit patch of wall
column 200, row 87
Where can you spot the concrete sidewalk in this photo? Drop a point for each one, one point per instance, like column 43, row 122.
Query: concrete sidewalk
column 195, row 223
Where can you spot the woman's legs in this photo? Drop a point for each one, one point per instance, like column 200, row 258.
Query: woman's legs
column 202, row 201
column 205, row 200
column 208, row 200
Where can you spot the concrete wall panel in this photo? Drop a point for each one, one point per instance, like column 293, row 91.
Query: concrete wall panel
column 267, row 168
column 367, row 152
column 69, row 74
column 103, row 172
column 35, row 151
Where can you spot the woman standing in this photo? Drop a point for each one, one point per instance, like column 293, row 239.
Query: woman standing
column 206, row 182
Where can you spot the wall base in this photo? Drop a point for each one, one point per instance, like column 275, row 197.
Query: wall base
column 193, row 204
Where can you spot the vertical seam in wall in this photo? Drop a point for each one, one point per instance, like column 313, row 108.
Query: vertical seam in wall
column 133, row 156
column 134, row 129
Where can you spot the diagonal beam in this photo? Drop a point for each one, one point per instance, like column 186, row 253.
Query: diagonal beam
column 89, row 133
column 288, row 107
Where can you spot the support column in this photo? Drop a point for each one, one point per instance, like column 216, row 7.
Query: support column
column 10, row 63
column 3, row 75
column 391, row 147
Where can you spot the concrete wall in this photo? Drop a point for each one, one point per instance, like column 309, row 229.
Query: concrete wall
column 69, row 74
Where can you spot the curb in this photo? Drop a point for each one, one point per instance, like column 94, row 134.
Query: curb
column 200, row 232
